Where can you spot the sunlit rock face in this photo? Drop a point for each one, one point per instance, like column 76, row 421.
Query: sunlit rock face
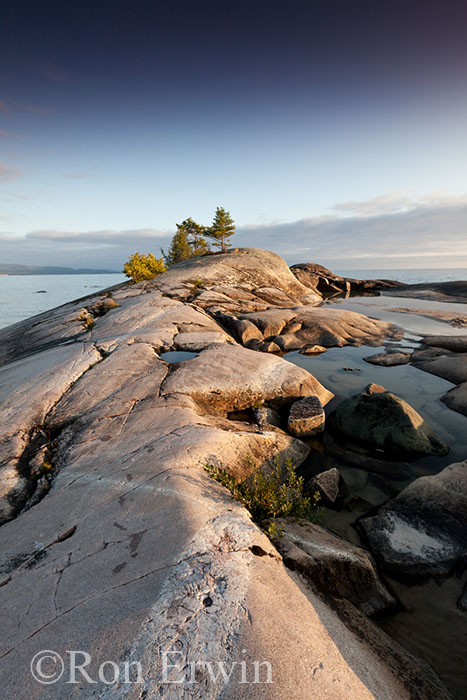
column 117, row 542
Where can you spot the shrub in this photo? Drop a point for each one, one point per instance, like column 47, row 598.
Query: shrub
column 143, row 267
column 277, row 495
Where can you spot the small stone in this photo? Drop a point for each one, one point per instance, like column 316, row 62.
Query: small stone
column 375, row 389
column 306, row 417
column 389, row 359
column 265, row 416
column 313, row 350
column 330, row 487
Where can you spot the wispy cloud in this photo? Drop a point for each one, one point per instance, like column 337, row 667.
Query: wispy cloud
column 80, row 174
column 434, row 227
column 13, row 106
column 54, row 73
column 8, row 172
column 430, row 232
column 37, row 109
column 5, row 134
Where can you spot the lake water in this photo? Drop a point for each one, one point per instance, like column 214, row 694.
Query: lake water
column 408, row 276
column 19, row 297
column 22, row 296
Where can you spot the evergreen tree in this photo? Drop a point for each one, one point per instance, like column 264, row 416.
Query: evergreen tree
column 179, row 249
column 195, row 235
column 222, row 228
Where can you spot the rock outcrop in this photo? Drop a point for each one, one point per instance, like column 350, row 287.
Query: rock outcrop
column 334, row 566
column 116, row 542
column 422, row 532
column 329, row 284
column 447, row 358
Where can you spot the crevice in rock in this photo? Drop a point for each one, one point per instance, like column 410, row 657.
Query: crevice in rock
column 37, row 466
column 27, row 560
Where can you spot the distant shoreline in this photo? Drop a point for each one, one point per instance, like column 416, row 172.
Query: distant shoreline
column 15, row 270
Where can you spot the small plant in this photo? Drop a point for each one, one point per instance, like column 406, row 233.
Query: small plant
column 143, row 267
column 278, row 495
column 198, row 283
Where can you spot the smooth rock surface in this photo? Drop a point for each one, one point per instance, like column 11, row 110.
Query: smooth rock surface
column 231, row 378
column 134, row 550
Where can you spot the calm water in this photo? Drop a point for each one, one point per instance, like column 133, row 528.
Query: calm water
column 19, row 297
column 408, row 276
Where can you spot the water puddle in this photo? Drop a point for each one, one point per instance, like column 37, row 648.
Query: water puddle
column 177, row 356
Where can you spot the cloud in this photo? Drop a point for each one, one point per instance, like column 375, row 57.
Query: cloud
column 430, row 232
column 54, row 73
column 37, row 109
column 101, row 249
column 80, row 174
column 9, row 107
column 387, row 203
column 8, row 172
column 4, row 134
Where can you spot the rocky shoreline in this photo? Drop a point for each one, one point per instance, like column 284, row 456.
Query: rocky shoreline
column 117, row 542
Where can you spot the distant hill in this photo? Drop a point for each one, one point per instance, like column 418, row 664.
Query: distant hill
column 49, row 270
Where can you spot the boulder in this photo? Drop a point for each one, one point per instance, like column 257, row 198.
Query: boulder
column 265, row 416
column 330, row 486
column 330, row 327
column 422, row 532
column 334, row 566
column 252, row 268
column 389, row 359
column 306, row 417
column 386, row 422
column 270, row 322
column 456, row 398
column 269, row 346
column 449, row 342
column 327, row 283
column 245, row 330
column 230, row 377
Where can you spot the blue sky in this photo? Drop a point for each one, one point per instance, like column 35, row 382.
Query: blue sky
column 333, row 132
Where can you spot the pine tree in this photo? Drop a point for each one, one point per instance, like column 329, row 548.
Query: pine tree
column 179, row 249
column 195, row 235
column 222, row 228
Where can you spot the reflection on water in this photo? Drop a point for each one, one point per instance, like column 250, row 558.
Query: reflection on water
column 177, row 356
column 421, row 390
column 379, row 307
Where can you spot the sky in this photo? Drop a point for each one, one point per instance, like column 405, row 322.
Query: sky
column 333, row 132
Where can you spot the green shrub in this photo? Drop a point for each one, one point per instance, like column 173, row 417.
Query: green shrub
column 278, row 495
column 143, row 267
